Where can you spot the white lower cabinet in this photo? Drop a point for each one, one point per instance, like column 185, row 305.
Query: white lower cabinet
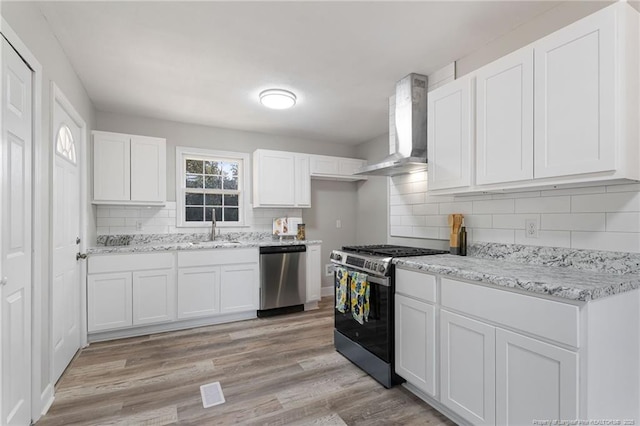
column 154, row 296
column 534, row 380
column 415, row 342
column 314, row 273
column 238, row 290
column 467, row 369
column 198, row 292
column 109, row 301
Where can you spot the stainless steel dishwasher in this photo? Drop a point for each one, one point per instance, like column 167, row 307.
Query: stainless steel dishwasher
column 283, row 279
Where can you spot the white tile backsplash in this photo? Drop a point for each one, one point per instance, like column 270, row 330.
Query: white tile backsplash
column 162, row 220
column 598, row 217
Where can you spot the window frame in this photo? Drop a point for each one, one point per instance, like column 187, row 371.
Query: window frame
column 216, row 155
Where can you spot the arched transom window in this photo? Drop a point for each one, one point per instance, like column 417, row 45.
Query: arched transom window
column 65, row 145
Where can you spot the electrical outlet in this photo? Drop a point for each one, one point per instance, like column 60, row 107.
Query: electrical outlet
column 138, row 225
column 328, row 269
column 531, row 228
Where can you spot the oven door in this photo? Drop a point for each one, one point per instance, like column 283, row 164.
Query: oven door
column 375, row 334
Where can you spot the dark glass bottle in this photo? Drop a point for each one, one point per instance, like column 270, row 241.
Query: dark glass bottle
column 462, row 240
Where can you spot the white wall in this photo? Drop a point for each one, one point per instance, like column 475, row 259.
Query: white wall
column 31, row 27
column 597, row 218
column 331, row 201
column 372, row 208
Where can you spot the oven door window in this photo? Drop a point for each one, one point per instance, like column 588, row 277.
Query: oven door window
column 373, row 335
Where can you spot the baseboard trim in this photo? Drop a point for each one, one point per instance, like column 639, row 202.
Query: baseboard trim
column 48, row 396
column 326, row 291
column 436, row 404
column 171, row 326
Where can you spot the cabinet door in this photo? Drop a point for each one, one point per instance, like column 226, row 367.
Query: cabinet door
column 274, row 179
column 415, row 343
column 449, row 135
column 575, row 86
column 111, row 167
column 504, row 112
column 109, row 301
column 467, row 369
column 302, row 181
column 148, row 169
column 314, row 273
column 198, row 292
column 534, row 380
column 239, row 288
column 348, row 166
column 324, row 165
column 154, row 296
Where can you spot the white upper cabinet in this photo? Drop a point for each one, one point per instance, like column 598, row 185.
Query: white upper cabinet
column 281, row 179
column 336, row 168
column 449, row 135
column 129, row 169
column 111, row 167
column 559, row 112
column 504, row 113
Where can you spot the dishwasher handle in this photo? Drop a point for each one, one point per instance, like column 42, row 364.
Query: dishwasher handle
column 283, row 249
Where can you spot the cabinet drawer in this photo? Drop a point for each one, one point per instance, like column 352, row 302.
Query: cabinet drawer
column 129, row 262
column 416, row 284
column 217, row 257
column 546, row 318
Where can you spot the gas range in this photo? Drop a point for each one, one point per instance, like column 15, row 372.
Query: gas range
column 376, row 259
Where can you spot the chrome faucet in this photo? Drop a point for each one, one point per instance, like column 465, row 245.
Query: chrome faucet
column 213, row 224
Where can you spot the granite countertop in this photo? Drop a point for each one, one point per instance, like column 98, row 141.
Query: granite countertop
column 559, row 281
column 159, row 243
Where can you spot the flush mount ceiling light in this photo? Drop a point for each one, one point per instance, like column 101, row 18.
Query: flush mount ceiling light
column 277, row 99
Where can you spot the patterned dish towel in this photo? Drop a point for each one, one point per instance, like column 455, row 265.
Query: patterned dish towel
column 341, row 289
column 360, row 296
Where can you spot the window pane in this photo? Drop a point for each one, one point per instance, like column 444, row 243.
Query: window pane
column 212, row 167
column 194, row 166
column 194, row 214
column 213, row 199
column 229, row 168
column 207, row 214
column 230, row 200
column 213, row 182
column 194, row 199
column 218, row 214
column 194, row 181
column 230, row 214
column 230, row 182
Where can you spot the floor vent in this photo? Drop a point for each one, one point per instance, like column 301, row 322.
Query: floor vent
column 211, row 394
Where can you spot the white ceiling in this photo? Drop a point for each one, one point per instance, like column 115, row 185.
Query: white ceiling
column 206, row 62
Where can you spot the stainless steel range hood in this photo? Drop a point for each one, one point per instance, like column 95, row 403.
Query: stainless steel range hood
column 409, row 140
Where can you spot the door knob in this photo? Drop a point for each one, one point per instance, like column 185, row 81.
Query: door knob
column 81, row 256
column 77, row 240
column 4, row 281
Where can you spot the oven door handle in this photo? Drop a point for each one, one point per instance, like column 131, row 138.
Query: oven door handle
column 383, row 281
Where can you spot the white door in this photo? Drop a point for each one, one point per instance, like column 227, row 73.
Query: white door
column 111, row 167
column 239, row 288
column 148, row 169
column 154, row 296
column 109, row 301
column 302, row 181
column 449, row 135
column 67, row 277
column 575, row 89
column 15, row 258
column 504, row 127
column 274, row 179
column 198, row 292
column 467, row 368
column 534, row 380
column 415, row 329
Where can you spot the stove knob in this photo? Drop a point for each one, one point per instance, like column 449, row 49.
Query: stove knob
column 380, row 268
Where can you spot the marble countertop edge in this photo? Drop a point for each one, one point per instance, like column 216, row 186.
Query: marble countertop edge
column 203, row 245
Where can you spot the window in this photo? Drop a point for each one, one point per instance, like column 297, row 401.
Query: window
column 65, row 145
column 208, row 183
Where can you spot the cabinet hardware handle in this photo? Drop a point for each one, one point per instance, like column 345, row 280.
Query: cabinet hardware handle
column 4, row 281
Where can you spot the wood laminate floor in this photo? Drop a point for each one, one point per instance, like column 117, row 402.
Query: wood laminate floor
column 276, row 371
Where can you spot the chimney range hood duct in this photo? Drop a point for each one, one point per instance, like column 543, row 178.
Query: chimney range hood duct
column 410, row 153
